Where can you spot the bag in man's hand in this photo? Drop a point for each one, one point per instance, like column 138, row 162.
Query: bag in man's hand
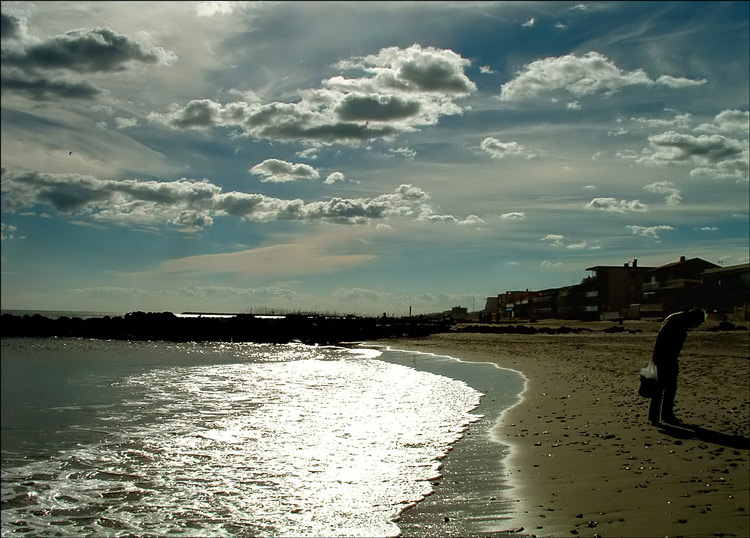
column 649, row 381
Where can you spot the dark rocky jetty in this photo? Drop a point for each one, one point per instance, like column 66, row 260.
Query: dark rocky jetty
column 166, row 326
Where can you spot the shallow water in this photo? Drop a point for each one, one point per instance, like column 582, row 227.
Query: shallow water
column 117, row 438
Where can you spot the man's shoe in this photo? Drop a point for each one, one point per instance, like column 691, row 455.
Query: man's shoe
column 671, row 419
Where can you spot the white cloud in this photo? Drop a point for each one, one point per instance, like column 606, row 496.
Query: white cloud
column 679, row 121
column 612, row 205
column 579, row 75
column 554, row 239
column 124, row 123
column 428, row 216
column 549, row 265
column 277, row 171
column 63, row 65
column 499, row 150
column 711, row 155
column 7, row 231
column 194, row 204
column 708, row 229
column 678, row 82
column 403, row 90
column 728, row 121
column 529, row 23
column 405, row 152
column 309, row 153
column 514, row 215
column 674, row 197
column 649, row 231
column 486, row 70
column 334, row 177
column 414, row 69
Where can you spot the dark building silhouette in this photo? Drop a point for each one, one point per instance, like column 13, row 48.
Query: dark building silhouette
column 631, row 291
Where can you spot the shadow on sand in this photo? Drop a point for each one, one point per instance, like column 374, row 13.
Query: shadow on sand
column 692, row 431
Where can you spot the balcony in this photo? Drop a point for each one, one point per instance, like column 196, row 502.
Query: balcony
column 676, row 284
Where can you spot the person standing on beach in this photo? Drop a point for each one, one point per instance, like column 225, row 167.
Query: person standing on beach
column 667, row 347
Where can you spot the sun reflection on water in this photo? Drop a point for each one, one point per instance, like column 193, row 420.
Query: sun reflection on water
column 293, row 440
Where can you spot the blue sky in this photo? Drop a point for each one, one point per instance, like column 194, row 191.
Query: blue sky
column 363, row 157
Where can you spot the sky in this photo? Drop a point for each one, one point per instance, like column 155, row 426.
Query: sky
column 363, row 157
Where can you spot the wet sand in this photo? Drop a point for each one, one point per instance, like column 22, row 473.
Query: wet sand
column 582, row 458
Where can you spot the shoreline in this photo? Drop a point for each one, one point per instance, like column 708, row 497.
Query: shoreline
column 466, row 500
column 583, row 458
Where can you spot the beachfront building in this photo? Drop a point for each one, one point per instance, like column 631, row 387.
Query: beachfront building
column 726, row 292
column 516, row 304
column 491, row 312
column 617, row 289
column 674, row 286
column 631, row 291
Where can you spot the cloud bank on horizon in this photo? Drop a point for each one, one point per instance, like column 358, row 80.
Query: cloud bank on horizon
column 363, row 158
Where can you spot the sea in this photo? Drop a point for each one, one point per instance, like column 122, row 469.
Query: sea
column 118, row 438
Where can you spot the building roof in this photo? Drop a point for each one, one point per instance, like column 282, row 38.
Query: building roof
column 729, row 269
column 683, row 261
column 624, row 266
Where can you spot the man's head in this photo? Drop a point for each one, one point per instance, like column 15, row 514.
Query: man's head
column 695, row 316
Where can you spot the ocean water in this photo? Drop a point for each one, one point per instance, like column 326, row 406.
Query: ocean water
column 109, row 438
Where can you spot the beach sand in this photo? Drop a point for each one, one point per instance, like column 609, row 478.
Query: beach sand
column 578, row 452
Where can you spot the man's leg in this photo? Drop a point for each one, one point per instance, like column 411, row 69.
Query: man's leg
column 655, row 407
column 670, row 391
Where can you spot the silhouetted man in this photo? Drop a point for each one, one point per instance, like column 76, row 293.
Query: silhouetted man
column 667, row 347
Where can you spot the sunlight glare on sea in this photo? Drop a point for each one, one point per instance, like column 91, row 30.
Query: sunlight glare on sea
column 221, row 439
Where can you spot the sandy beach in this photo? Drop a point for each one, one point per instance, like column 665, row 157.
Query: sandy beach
column 582, row 458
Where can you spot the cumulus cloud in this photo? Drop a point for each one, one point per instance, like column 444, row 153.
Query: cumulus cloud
column 498, row 149
column 192, row 204
column 583, row 75
column 125, row 123
column 428, row 215
column 712, row 155
column 405, row 152
column 513, row 215
column 7, row 231
column 529, row 23
column 400, row 91
column 649, row 231
column 42, row 68
column 554, row 239
column 414, row 69
column 674, row 197
column 612, row 205
column 97, row 50
column 334, row 177
column 728, row 121
column 12, row 26
column 277, row 171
